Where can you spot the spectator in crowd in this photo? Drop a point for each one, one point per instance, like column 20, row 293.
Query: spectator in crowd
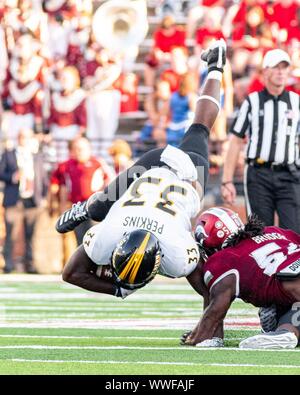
column 25, row 185
column 198, row 13
column 121, row 153
column 209, row 28
column 127, row 84
column 157, row 108
column 79, row 42
column 24, row 88
column 54, row 206
column 103, row 101
column 58, row 29
column 178, row 68
column 182, row 109
column 250, row 39
column 68, row 116
column 80, row 176
column 270, row 119
column 166, row 37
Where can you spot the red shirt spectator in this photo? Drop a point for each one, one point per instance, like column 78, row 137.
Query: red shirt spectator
column 127, row 84
column 166, row 41
column 82, row 178
column 82, row 174
column 282, row 12
column 255, row 85
column 172, row 78
column 205, row 33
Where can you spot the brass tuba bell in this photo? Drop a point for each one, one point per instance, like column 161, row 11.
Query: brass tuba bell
column 120, row 24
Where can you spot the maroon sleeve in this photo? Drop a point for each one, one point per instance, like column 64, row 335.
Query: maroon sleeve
column 57, row 176
column 216, row 266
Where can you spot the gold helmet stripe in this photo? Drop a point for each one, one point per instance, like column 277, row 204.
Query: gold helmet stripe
column 135, row 261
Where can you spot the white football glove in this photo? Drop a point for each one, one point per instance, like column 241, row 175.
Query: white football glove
column 215, row 56
column 214, row 342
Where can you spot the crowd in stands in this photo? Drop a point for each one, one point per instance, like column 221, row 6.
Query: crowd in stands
column 66, row 93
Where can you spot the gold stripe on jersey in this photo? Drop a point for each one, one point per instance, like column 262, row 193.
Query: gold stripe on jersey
column 135, row 261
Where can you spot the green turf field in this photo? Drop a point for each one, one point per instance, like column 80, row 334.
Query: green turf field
column 48, row 327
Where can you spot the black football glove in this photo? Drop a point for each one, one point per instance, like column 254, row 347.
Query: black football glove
column 268, row 318
column 215, row 56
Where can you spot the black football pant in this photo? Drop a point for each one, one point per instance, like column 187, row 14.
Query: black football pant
column 268, row 192
column 194, row 143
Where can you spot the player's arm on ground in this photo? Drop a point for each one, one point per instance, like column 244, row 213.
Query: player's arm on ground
column 221, row 296
column 81, row 271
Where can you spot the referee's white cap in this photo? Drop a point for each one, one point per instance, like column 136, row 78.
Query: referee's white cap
column 274, row 57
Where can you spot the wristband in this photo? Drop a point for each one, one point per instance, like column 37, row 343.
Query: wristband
column 210, row 98
column 215, row 75
column 227, row 182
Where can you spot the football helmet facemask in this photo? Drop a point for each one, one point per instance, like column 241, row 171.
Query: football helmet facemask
column 136, row 259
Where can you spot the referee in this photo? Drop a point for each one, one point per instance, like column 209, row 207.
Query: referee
column 270, row 120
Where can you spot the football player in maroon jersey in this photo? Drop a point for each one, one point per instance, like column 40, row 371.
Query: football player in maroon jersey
column 260, row 265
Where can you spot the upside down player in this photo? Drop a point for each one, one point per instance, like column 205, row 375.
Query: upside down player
column 261, row 266
column 147, row 229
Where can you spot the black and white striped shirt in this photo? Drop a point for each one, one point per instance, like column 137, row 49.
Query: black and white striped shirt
column 271, row 124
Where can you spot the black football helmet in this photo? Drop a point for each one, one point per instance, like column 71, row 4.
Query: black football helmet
column 136, row 259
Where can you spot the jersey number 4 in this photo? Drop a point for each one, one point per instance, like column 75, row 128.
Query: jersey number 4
column 165, row 204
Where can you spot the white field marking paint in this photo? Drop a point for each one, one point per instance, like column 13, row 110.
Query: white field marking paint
column 103, row 337
column 235, row 312
column 135, row 324
column 63, row 296
column 153, row 363
column 146, row 322
column 27, row 278
column 103, row 348
column 112, row 327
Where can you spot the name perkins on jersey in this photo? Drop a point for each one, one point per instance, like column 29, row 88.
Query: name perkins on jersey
column 144, row 223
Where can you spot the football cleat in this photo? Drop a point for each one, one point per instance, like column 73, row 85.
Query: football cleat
column 279, row 340
column 71, row 218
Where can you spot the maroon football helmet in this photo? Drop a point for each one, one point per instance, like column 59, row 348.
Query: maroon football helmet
column 216, row 225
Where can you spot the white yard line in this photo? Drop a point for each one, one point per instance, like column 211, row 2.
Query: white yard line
column 163, row 310
column 24, row 296
column 153, row 363
column 103, row 337
column 133, row 323
column 102, row 348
